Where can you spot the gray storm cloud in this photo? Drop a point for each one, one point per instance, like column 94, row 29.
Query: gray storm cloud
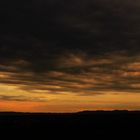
column 73, row 47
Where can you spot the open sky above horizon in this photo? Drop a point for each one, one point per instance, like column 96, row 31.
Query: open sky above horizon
column 67, row 56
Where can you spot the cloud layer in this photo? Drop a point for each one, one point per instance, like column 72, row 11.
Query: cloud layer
column 77, row 47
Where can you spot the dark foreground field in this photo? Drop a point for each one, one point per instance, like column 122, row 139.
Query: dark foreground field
column 95, row 123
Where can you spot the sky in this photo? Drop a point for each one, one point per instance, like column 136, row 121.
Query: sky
column 68, row 56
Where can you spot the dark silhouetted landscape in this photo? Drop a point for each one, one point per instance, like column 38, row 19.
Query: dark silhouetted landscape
column 94, row 122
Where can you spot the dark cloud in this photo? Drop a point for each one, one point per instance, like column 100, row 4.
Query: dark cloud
column 77, row 46
column 19, row 98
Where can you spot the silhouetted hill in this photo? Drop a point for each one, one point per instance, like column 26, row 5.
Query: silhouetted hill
column 88, row 119
column 86, row 123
